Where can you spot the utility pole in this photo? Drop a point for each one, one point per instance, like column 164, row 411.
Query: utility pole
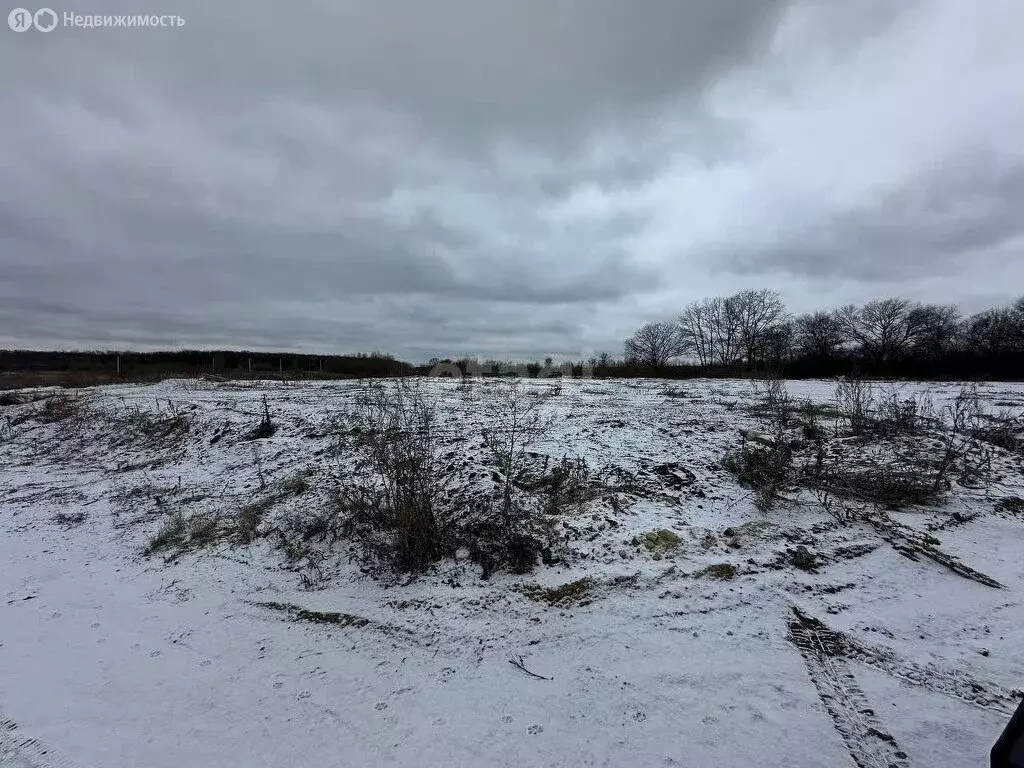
column 250, row 365
column 118, row 365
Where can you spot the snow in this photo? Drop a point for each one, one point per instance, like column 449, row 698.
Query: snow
column 111, row 658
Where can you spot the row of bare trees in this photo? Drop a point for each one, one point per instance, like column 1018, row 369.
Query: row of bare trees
column 752, row 329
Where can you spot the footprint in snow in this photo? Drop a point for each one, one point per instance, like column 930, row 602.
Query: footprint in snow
column 535, row 729
column 380, row 705
column 506, row 718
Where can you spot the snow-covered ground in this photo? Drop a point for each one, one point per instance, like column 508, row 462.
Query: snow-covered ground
column 112, row 658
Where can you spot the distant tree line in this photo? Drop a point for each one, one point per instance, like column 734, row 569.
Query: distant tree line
column 721, row 336
column 232, row 364
column 752, row 330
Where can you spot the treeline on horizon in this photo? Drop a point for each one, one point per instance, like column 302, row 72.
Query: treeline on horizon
column 231, row 364
column 893, row 337
column 745, row 333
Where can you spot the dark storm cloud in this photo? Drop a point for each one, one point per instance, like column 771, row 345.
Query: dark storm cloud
column 520, row 178
column 927, row 226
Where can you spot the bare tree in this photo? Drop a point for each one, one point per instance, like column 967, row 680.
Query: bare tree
column 995, row 332
column 756, row 314
column 777, row 345
column 696, row 323
column 935, row 328
column 654, row 344
column 818, row 335
column 515, row 420
column 725, row 330
column 883, row 328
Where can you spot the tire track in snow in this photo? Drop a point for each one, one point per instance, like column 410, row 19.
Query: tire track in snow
column 868, row 743
column 811, row 635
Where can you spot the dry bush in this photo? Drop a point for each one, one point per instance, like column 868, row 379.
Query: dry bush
column 180, row 532
column 296, row 483
column 564, row 485
column 962, row 453
column 60, row 407
column 896, row 414
column 511, row 531
column 674, row 392
column 161, row 423
column 515, row 420
column 266, row 428
column 854, row 397
column 807, row 414
column 1004, row 430
column 399, row 502
column 896, row 474
column 893, row 482
column 766, row 469
column 246, row 524
column 773, row 398
column 394, row 502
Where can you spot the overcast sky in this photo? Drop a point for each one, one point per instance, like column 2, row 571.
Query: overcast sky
column 499, row 177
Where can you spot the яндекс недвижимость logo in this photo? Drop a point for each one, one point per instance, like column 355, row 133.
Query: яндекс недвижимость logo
column 21, row 19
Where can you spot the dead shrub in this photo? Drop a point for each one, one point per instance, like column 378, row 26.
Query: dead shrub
column 766, row 469
column 250, row 516
column 164, row 422
column 180, row 532
column 394, row 502
column 564, row 486
column 962, row 453
column 854, row 398
column 898, row 474
column 266, row 428
column 60, row 407
column 1004, row 430
column 514, row 528
column 896, row 414
column 773, row 399
column 894, row 483
column 673, row 392
column 296, row 484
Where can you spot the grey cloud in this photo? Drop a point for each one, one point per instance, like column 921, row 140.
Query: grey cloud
column 928, row 226
column 515, row 177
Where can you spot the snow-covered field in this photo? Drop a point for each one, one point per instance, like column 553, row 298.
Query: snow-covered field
column 212, row 658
